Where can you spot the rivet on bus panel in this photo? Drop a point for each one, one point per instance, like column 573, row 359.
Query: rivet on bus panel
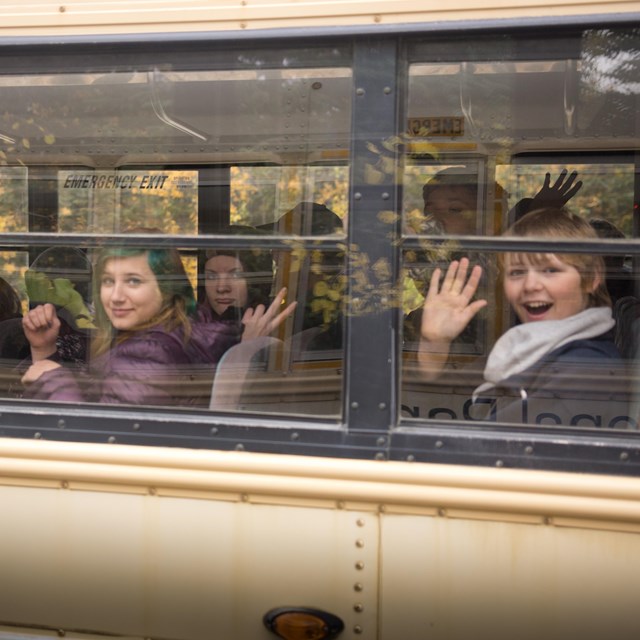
column 439, row 444
column 295, row 436
column 387, row 90
column 340, row 504
column 354, row 405
column 442, row 513
column 359, row 543
column 358, row 607
column 360, row 91
column 61, row 633
column 358, row 586
column 360, row 522
column 624, row 456
column 37, row 435
column 61, row 424
column 380, row 456
column 357, row 195
column 64, row 484
column 380, row 442
column 385, row 196
column 499, row 463
column 357, row 629
column 136, row 426
column 528, row 450
column 359, row 565
column 62, row 9
column 111, row 440
column 239, row 447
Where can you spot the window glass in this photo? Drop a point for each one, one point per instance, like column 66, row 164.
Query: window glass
column 531, row 143
column 260, row 196
column 243, row 144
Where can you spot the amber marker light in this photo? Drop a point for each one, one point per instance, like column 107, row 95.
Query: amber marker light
column 302, row 623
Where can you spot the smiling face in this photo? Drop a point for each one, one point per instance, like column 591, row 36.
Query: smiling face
column 129, row 292
column 454, row 207
column 545, row 288
column 225, row 283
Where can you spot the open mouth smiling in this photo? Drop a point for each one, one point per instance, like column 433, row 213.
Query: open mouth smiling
column 537, row 308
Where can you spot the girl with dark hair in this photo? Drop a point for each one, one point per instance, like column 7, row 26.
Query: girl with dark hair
column 145, row 343
column 237, row 287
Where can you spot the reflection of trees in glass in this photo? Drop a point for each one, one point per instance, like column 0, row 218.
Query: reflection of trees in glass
column 607, row 190
column 260, row 195
column 611, row 60
column 13, row 218
column 13, row 199
column 610, row 80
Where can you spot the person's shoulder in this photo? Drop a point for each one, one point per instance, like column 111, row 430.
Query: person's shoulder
column 598, row 349
column 205, row 313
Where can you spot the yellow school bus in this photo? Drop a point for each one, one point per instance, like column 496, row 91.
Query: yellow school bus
column 312, row 483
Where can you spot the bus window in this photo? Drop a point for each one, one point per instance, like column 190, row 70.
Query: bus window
column 164, row 155
column 261, row 195
column 496, row 152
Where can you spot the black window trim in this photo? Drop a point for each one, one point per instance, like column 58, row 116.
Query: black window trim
column 374, row 433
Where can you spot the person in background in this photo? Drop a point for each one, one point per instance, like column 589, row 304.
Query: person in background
column 60, row 276
column 10, row 305
column 13, row 345
column 451, row 202
column 549, row 196
column 237, row 288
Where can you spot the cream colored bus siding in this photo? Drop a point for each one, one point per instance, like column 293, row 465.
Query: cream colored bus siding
column 171, row 543
column 42, row 17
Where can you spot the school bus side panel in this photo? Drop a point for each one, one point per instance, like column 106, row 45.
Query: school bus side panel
column 170, row 543
column 488, row 580
column 175, row 567
column 42, row 17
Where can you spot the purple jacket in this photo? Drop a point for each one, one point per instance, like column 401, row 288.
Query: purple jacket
column 152, row 367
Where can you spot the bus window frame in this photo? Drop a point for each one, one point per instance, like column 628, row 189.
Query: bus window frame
column 370, row 427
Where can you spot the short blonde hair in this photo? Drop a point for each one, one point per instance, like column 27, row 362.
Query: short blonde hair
column 559, row 223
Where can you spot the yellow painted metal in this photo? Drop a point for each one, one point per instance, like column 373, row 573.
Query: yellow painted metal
column 172, row 543
column 398, row 486
column 42, row 17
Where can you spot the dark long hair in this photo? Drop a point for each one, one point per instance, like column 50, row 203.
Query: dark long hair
column 257, row 266
column 10, row 306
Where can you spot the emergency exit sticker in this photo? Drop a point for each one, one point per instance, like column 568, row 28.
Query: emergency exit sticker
column 436, row 126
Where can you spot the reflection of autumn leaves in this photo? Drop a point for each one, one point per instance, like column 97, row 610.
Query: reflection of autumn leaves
column 327, row 299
